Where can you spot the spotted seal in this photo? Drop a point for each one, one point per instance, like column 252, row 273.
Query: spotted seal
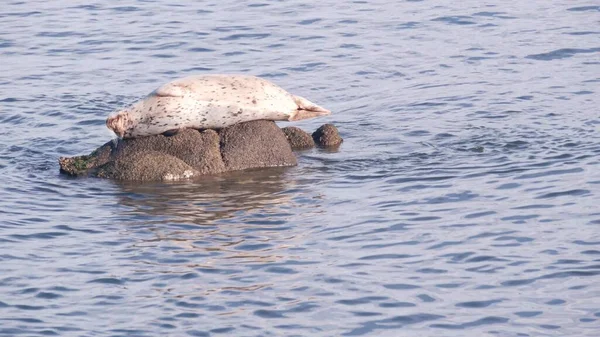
column 209, row 102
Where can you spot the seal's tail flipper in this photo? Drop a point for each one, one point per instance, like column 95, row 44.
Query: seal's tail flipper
column 307, row 109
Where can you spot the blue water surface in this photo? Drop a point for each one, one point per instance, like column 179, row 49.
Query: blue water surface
column 463, row 201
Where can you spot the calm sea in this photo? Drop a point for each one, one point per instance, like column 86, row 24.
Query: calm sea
column 463, row 202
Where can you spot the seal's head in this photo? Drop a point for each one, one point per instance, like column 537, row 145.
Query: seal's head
column 119, row 123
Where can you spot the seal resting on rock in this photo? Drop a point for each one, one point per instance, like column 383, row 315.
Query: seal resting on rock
column 210, row 102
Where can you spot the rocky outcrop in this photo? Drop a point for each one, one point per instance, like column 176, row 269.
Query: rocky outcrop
column 192, row 153
column 255, row 144
column 298, row 139
column 327, row 136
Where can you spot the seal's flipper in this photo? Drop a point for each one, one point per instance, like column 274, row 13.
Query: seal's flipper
column 307, row 109
column 171, row 133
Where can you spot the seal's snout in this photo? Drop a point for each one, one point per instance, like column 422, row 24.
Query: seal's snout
column 118, row 123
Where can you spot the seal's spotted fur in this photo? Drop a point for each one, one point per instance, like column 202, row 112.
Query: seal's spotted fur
column 210, row 102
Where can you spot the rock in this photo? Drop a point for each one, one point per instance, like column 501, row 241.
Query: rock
column 327, row 136
column 258, row 143
column 189, row 153
column 298, row 139
column 147, row 166
column 198, row 149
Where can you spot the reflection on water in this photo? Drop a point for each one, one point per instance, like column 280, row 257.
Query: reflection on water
column 239, row 213
column 210, row 201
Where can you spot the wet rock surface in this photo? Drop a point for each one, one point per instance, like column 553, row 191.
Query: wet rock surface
column 298, row 138
column 198, row 149
column 192, row 153
column 255, row 144
column 327, row 136
column 147, row 166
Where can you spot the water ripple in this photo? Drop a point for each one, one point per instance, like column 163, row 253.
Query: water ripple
column 463, row 200
column 561, row 54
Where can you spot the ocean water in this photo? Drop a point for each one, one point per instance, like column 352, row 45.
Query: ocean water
column 464, row 200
